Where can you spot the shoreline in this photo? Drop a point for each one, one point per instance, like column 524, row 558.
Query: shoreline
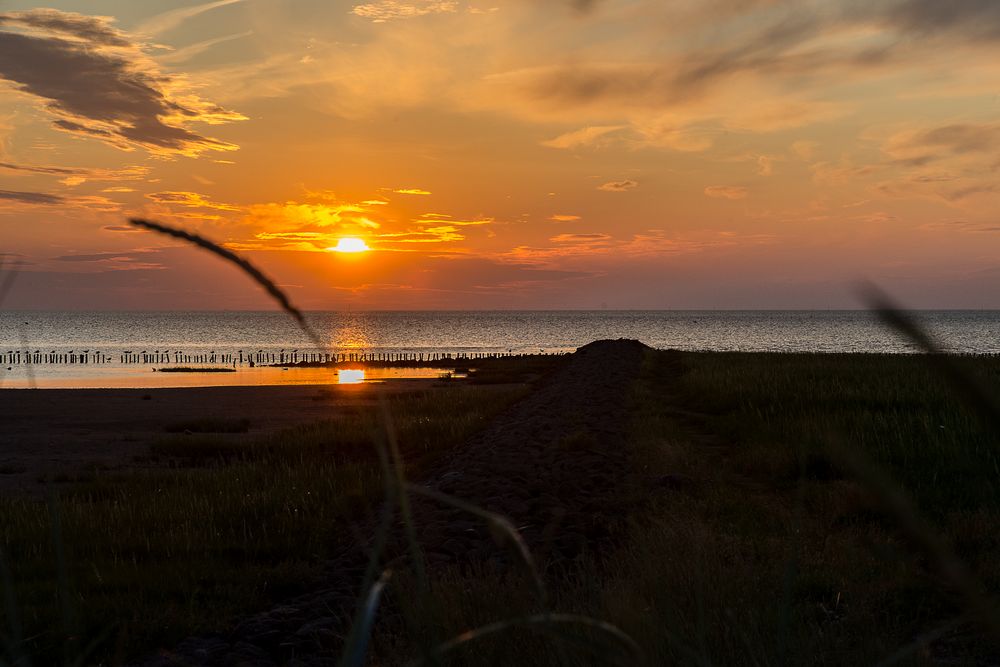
column 261, row 376
column 62, row 434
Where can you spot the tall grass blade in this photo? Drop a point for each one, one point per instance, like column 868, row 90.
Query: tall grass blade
column 425, row 641
column 357, row 640
column 612, row 645
column 354, row 654
column 940, row 557
column 969, row 387
column 404, row 502
column 919, row 643
column 269, row 286
column 503, row 532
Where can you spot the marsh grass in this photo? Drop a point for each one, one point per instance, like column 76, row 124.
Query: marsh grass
column 155, row 556
column 756, row 546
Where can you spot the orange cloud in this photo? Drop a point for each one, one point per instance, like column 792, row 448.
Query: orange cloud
column 391, row 10
column 618, row 186
column 727, row 191
column 580, row 238
column 189, row 200
column 294, row 216
column 587, row 136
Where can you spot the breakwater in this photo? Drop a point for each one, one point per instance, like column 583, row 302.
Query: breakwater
column 281, row 357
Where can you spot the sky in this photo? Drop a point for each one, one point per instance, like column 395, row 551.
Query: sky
column 525, row 154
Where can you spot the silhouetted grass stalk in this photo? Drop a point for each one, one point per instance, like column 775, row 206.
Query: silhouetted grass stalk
column 949, row 566
column 256, row 274
column 616, row 645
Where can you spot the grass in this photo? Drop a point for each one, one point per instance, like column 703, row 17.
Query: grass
column 754, row 545
column 152, row 557
column 209, row 426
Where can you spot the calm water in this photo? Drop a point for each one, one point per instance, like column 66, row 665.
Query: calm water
column 453, row 332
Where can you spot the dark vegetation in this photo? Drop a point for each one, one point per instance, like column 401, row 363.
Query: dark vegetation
column 144, row 559
column 760, row 544
column 757, row 546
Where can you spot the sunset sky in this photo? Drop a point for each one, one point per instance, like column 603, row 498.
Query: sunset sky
column 504, row 153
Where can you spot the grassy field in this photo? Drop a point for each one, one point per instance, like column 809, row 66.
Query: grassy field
column 756, row 547
column 760, row 538
column 139, row 560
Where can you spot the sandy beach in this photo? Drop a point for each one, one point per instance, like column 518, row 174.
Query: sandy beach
column 52, row 436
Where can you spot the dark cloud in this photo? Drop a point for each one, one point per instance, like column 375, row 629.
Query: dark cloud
column 583, row 5
column 31, row 197
column 133, row 172
column 975, row 19
column 109, row 93
column 772, row 38
column 121, row 228
column 93, row 29
column 93, row 202
column 959, row 138
column 61, row 171
column 96, row 257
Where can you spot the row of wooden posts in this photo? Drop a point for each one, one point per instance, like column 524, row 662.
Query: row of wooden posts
column 239, row 358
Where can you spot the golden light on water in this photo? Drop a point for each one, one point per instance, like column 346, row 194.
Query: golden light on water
column 350, row 375
column 350, row 244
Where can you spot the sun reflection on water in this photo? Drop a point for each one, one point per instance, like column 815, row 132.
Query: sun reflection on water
column 350, row 375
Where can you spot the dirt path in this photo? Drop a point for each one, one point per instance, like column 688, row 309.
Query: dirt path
column 553, row 464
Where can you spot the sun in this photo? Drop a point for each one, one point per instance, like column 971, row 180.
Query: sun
column 350, row 245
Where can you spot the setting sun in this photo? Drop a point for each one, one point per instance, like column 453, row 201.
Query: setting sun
column 350, row 245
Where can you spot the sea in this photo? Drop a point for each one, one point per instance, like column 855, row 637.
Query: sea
column 113, row 341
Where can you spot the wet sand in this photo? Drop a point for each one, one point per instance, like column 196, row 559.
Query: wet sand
column 58, row 434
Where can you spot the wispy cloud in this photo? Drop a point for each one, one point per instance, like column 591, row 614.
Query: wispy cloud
column 562, row 217
column 727, row 191
column 31, row 197
column 966, row 226
column 22, row 198
column 133, row 260
column 391, row 10
column 96, row 82
column 192, row 50
column 580, row 238
column 79, row 175
column 618, row 186
column 169, row 20
column 412, row 191
column 587, row 136
column 189, row 200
